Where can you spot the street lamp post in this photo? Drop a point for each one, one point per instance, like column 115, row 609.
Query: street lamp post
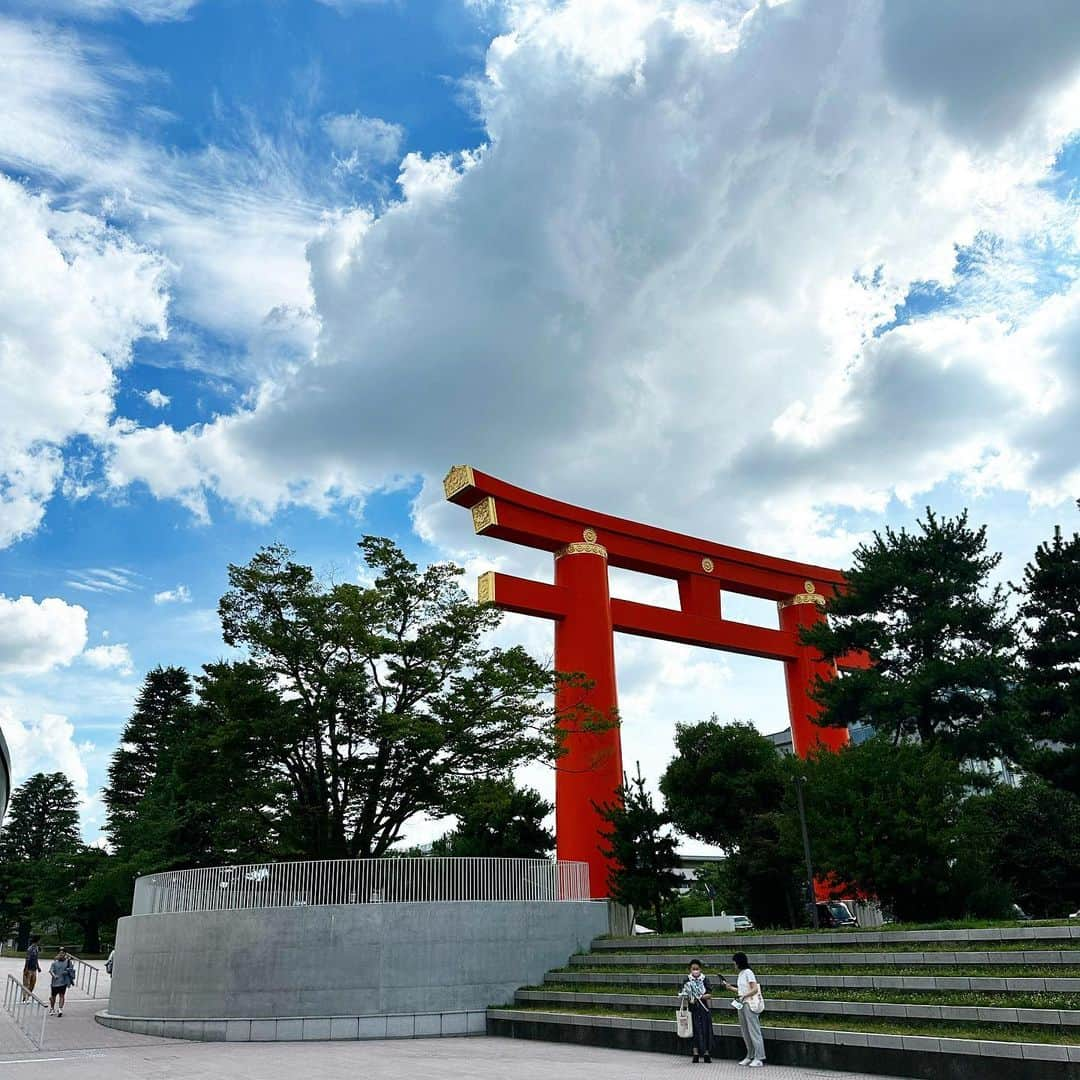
column 799, row 781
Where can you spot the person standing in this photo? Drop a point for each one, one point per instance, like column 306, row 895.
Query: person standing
column 697, row 990
column 31, row 967
column 61, row 976
column 748, row 993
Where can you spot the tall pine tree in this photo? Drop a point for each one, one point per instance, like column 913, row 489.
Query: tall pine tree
column 941, row 640
column 642, row 849
column 163, row 700
column 1050, row 649
column 42, row 823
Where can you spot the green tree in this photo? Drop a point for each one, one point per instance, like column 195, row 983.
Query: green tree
column 941, row 641
column 162, row 704
column 1050, row 649
column 42, row 823
column 888, row 817
column 642, row 850
column 727, row 785
column 388, row 703
column 497, row 819
column 1028, row 838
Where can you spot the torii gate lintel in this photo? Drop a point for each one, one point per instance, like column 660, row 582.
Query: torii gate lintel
column 584, row 543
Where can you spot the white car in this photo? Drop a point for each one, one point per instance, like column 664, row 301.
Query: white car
column 1075, row 915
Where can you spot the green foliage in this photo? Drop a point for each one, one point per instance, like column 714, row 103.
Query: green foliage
column 160, row 708
column 497, row 819
column 642, row 850
column 728, row 786
column 888, row 817
column 1050, row 649
column 1029, row 839
column 39, row 846
column 940, row 638
column 387, row 703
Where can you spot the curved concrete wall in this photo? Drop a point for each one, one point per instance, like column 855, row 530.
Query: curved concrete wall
column 364, row 960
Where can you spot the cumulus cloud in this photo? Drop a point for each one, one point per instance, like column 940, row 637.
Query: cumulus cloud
column 363, row 141
column 36, row 637
column 156, row 399
column 45, row 743
column 110, row 657
column 74, row 296
column 660, row 286
column 180, row 595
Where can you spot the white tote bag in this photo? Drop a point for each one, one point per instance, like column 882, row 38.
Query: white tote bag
column 683, row 1028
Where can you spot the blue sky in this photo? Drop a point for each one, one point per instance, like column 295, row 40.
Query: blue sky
column 775, row 273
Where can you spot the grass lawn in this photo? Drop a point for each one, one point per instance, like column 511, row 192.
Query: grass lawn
column 984, row 998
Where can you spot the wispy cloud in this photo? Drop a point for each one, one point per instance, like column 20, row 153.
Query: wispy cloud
column 104, row 580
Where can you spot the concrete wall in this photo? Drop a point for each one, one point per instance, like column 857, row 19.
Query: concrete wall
column 348, row 960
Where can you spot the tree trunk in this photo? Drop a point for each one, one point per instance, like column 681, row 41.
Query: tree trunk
column 23, row 936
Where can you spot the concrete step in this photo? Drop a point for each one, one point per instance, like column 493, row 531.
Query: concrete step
column 806, row 1007
column 750, row 942
column 1020, row 984
column 925, row 1057
column 1001, row 958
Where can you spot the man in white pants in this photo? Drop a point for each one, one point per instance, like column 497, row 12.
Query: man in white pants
column 748, row 992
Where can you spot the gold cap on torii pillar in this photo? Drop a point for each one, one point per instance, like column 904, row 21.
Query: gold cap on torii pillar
column 810, row 596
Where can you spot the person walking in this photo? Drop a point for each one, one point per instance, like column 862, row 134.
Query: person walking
column 750, row 1003
column 697, row 991
column 61, row 976
column 31, row 967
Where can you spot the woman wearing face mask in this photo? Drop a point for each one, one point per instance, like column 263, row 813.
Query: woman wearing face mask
column 697, row 991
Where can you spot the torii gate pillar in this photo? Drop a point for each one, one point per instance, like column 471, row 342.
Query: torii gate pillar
column 586, row 619
column 592, row 764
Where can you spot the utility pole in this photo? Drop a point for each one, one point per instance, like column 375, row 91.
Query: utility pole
column 799, row 781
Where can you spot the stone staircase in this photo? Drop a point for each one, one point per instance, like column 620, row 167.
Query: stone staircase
column 1000, row 1002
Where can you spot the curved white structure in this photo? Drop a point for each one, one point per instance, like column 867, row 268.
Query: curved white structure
column 371, row 948
column 5, row 778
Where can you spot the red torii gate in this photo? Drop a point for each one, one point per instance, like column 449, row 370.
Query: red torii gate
column 586, row 618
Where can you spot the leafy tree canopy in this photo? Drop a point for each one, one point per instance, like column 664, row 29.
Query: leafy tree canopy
column 941, row 640
column 1050, row 649
column 497, row 819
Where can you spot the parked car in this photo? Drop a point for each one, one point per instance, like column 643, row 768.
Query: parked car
column 742, row 922
column 1075, row 915
column 834, row 915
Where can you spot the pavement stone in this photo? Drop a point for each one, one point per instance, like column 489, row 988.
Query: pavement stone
column 444, row 1059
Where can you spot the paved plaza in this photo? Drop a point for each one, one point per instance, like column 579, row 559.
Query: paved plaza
column 467, row 1059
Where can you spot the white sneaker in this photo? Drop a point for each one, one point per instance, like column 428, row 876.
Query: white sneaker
column 745, row 1061
column 757, row 1063
column 61, row 1013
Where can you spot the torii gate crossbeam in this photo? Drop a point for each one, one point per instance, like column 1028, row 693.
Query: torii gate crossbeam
column 584, row 544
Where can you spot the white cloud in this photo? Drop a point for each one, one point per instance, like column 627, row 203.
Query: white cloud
column 156, row 399
column 234, row 219
column 110, row 657
column 38, row 636
column 180, row 595
column 46, row 743
column 670, row 258
column 363, row 141
column 74, row 295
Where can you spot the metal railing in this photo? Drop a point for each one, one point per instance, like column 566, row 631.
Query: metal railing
column 359, row 881
column 28, row 1012
column 86, row 976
